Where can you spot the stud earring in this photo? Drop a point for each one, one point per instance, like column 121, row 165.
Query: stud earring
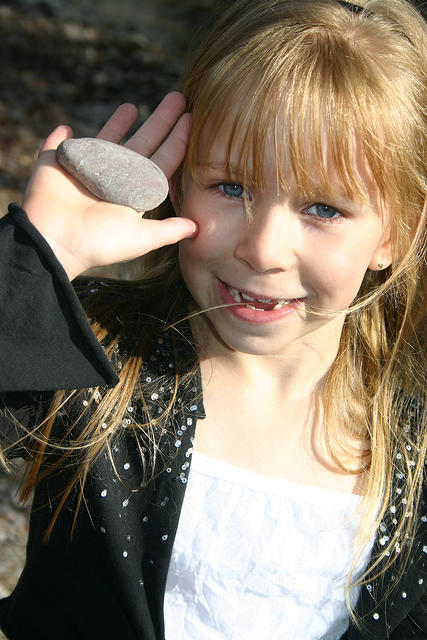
column 380, row 265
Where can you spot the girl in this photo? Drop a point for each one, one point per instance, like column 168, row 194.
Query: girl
column 287, row 326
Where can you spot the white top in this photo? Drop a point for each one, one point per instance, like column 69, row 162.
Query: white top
column 258, row 557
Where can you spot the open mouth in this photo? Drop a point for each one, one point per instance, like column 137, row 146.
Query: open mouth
column 258, row 304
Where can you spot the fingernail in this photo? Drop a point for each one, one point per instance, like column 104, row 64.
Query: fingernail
column 196, row 229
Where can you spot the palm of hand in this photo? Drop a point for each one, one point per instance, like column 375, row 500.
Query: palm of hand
column 85, row 232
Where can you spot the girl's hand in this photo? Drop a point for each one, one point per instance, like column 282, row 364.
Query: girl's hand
column 85, row 232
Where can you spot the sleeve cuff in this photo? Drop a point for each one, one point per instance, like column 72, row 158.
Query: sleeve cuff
column 46, row 342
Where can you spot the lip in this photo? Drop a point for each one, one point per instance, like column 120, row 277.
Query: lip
column 250, row 315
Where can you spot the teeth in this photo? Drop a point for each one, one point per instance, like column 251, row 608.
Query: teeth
column 235, row 294
column 281, row 303
column 246, row 297
column 240, row 297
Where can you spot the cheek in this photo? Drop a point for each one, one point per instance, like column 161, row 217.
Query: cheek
column 197, row 255
column 341, row 274
column 201, row 249
column 214, row 238
column 198, row 260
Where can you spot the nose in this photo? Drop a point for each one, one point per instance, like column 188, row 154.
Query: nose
column 269, row 240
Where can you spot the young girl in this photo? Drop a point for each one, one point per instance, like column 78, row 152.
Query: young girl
column 286, row 326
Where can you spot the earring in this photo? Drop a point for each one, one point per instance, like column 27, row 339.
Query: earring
column 380, row 265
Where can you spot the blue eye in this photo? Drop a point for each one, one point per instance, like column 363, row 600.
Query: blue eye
column 232, row 189
column 323, row 211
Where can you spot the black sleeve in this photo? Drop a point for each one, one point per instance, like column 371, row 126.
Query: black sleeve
column 414, row 626
column 46, row 342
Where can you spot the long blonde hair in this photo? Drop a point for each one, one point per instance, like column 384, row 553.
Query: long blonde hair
column 320, row 69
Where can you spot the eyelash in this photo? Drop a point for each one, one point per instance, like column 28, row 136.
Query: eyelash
column 219, row 187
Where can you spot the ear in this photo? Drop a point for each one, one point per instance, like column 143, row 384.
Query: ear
column 382, row 256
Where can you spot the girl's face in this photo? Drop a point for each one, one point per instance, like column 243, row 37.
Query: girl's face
column 294, row 256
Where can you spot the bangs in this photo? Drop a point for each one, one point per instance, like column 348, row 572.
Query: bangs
column 310, row 133
column 308, row 117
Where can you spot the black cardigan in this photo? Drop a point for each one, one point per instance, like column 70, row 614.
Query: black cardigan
column 108, row 581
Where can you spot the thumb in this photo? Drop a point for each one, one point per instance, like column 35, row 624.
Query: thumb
column 54, row 139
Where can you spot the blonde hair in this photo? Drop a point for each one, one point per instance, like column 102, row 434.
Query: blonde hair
column 325, row 73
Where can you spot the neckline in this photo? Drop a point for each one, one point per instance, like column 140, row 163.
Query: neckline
column 281, row 487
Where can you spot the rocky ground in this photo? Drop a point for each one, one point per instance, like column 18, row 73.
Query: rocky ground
column 74, row 62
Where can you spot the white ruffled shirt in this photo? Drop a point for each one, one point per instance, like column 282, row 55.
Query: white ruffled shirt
column 257, row 557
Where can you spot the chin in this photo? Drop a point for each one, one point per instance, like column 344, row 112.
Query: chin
column 252, row 345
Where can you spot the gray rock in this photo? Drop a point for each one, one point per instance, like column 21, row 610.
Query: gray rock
column 114, row 173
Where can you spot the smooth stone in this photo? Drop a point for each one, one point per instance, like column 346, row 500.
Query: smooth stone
column 114, row 173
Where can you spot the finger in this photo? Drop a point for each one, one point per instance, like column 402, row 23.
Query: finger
column 171, row 152
column 119, row 123
column 136, row 236
column 63, row 132
column 154, row 130
column 163, row 232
